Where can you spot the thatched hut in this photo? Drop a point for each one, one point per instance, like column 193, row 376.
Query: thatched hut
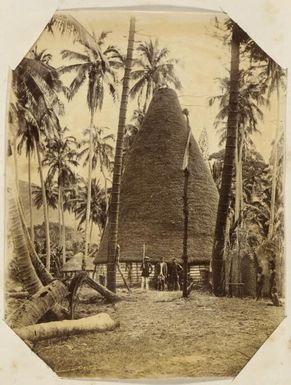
column 151, row 200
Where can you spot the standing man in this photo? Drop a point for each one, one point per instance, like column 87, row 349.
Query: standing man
column 174, row 275
column 162, row 271
column 146, row 269
column 272, row 279
column 260, row 282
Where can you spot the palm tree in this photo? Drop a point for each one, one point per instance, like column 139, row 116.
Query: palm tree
column 97, row 65
column 102, row 153
column 272, row 76
column 28, row 134
column 118, row 162
column 98, row 205
column 38, row 106
column 61, row 157
column 51, row 192
column 226, row 181
column 153, row 70
column 249, row 112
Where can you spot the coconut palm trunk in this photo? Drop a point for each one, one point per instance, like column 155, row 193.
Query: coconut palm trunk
column 88, row 210
column 115, row 194
column 45, row 208
column 147, row 97
column 63, row 224
column 59, row 213
column 15, row 164
column 229, row 157
column 28, row 275
column 30, row 198
column 105, row 182
column 275, row 166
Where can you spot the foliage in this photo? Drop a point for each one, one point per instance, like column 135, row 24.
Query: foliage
column 153, row 69
column 98, row 204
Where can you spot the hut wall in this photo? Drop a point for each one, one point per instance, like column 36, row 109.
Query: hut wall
column 199, row 274
column 132, row 273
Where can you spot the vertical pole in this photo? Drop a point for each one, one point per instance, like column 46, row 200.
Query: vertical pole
column 115, row 194
column 185, row 239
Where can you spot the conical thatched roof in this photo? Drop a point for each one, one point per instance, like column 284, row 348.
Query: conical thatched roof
column 151, row 201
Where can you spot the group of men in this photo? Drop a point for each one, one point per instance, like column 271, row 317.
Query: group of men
column 169, row 275
column 273, row 291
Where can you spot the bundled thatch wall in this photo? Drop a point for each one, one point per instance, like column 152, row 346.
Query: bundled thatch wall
column 151, row 208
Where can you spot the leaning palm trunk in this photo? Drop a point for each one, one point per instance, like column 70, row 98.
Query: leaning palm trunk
column 32, row 310
column 115, row 195
column 88, row 209
column 229, row 157
column 28, row 276
column 274, row 171
column 15, row 165
column 43, row 274
column 30, row 198
column 45, row 209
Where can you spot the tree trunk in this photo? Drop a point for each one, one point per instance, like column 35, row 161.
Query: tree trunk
column 27, row 274
column 106, row 293
column 88, row 210
column 45, row 209
column 224, row 196
column 30, row 199
column 98, row 323
column 115, row 195
column 91, row 229
column 63, row 225
column 274, row 171
column 147, row 97
column 15, row 164
column 38, row 305
column 185, row 239
column 43, row 274
column 59, row 214
column 105, row 183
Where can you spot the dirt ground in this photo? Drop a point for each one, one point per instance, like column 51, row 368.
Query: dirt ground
column 161, row 335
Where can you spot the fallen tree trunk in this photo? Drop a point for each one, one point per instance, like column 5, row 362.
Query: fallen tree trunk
column 83, row 278
column 98, row 323
column 38, row 305
column 109, row 295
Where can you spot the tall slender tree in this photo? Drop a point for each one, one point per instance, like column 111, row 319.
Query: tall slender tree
column 97, row 66
column 61, row 158
column 36, row 86
column 115, row 194
column 224, row 196
column 27, row 135
column 102, row 154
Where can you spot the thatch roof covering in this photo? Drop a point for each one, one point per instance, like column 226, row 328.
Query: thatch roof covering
column 151, row 200
column 75, row 263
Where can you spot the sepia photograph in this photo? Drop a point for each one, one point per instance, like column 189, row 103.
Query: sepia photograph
column 145, row 161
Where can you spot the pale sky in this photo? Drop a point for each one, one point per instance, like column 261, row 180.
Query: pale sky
column 190, row 38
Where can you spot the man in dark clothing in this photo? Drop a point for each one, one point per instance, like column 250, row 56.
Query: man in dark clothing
column 146, row 270
column 162, row 271
column 174, row 275
column 272, row 281
column 260, row 283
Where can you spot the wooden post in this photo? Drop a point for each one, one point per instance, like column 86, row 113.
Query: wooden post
column 185, row 239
